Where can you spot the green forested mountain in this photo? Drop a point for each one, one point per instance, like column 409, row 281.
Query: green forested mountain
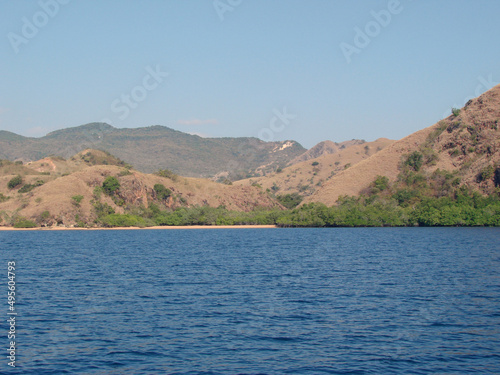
column 156, row 147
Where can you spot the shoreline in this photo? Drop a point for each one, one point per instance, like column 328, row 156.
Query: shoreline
column 146, row 228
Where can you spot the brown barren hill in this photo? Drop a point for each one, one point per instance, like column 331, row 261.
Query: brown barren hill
column 57, row 166
column 307, row 176
column 324, row 148
column 466, row 142
column 66, row 200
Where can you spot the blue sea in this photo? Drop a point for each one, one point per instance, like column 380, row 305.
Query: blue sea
column 254, row 301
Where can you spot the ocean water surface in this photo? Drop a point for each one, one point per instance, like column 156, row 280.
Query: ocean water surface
column 254, row 301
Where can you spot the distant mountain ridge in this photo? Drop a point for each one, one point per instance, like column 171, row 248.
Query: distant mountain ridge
column 156, row 147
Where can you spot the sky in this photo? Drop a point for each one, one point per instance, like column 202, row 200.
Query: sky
column 303, row 70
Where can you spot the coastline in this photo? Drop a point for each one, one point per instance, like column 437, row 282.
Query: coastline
column 146, row 228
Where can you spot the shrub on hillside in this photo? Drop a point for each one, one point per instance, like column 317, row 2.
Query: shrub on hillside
column 380, row 183
column 111, row 185
column 496, row 179
column 98, row 190
column 486, row 174
column 429, row 156
column 125, row 172
column 24, row 223
column 415, row 161
column 406, row 197
column 162, row 193
column 28, row 187
column 290, row 200
column 103, row 209
column 15, row 182
column 436, row 133
column 45, row 218
column 76, row 200
column 168, row 174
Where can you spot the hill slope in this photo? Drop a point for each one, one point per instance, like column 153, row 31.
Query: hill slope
column 307, row 176
column 467, row 142
column 325, row 148
column 55, row 191
column 156, row 147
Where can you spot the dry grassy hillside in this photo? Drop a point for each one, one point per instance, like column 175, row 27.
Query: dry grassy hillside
column 58, row 166
column 469, row 143
column 466, row 142
column 323, row 148
column 55, row 191
column 308, row 176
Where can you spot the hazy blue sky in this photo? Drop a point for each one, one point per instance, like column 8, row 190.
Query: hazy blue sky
column 307, row 70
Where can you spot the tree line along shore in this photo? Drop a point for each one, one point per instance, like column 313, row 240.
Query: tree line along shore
column 415, row 199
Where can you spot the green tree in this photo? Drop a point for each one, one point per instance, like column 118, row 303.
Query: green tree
column 415, row 161
column 24, row 223
column 103, row 209
column 162, row 192
column 380, row 183
column 168, row 174
column 487, row 173
column 77, row 199
column 405, row 197
column 290, row 200
column 126, row 220
column 111, row 185
column 15, row 182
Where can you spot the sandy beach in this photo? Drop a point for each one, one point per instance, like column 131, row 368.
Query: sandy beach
column 148, row 228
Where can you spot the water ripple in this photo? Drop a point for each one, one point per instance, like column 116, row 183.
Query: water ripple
column 291, row 301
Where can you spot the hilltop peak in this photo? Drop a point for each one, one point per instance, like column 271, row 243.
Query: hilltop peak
column 325, row 148
column 98, row 157
column 465, row 143
column 9, row 136
column 158, row 147
column 86, row 128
